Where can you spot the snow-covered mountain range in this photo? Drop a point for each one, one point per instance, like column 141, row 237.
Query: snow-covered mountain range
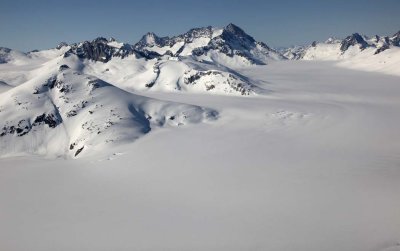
column 66, row 100
column 355, row 51
column 334, row 48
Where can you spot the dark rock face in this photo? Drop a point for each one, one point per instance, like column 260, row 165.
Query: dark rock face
column 395, row 39
column 191, row 80
column 96, row 50
column 355, row 39
column 99, row 50
column 384, row 46
column 147, row 54
column 24, row 126
column 21, row 128
column 4, row 54
column 63, row 67
column 50, row 120
column 234, row 34
column 50, row 84
column 150, row 40
column 79, row 151
column 189, row 36
column 233, row 41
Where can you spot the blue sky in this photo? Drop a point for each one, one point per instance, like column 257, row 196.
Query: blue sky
column 28, row 24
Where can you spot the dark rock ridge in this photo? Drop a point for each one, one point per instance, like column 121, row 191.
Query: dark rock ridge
column 151, row 39
column 395, row 39
column 99, row 50
column 24, row 126
column 4, row 52
column 232, row 41
column 354, row 39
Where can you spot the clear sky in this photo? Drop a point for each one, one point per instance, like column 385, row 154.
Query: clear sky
column 38, row 24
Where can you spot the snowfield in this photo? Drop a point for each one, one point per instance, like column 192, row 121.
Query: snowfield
column 312, row 165
column 207, row 140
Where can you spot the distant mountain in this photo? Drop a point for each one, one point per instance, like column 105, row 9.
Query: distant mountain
column 234, row 42
column 335, row 49
column 210, row 44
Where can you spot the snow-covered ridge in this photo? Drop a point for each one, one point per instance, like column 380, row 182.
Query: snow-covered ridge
column 377, row 53
column 231, row 41
column 70, row 112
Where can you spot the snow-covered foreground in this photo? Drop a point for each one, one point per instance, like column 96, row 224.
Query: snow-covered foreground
column 312, row 165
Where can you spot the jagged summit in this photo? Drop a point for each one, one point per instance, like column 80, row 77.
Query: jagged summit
column 354, row 39
column 395, row 39
column 99, row 49
column 150, row 39
column 237, row 32
column 194, row 33
column 61, row 45
column 231, row 41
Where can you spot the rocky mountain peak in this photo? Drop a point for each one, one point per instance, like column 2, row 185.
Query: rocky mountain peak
column 150, row 38
column 354, row 39
column 197, row 33
column 101, row 40
column 232, row 30
column 396, row 39
column 98, row 50
column 61, row 45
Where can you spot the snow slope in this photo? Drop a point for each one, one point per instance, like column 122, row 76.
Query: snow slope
column 386, row 62
column 313, row 165
column 171, row 74
column 379, row 54
column 65, row 112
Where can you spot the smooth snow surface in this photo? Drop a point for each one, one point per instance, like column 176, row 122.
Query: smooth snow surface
column 314, row 164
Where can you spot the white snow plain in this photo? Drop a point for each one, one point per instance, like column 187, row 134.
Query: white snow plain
column 314, row 164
